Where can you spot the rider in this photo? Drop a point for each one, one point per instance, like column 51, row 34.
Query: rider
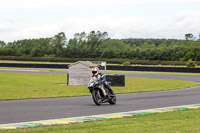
column 100, row 76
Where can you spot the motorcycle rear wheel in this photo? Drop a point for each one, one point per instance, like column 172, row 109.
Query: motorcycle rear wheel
column 113, row 100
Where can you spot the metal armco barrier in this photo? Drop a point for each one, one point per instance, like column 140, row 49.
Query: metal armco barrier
column 154, row 69
column 109, row 67
column 116, row 80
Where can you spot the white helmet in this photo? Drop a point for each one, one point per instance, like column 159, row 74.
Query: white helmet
column 95, row 71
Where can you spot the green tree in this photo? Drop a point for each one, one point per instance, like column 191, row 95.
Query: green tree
column 86, row 45
column 95, row 39
column 2, row 44
column 57, row 44
column 109, row 53
column 189, row 36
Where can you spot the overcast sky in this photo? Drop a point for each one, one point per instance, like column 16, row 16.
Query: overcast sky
column 27, row 19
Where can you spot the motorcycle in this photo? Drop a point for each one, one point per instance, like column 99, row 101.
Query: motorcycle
column 100, row 94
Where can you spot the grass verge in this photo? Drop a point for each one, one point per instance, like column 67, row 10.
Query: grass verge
column 186, row 121
column 32, row 85
column 109, row 72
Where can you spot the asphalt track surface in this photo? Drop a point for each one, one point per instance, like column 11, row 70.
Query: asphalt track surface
column 15, row 111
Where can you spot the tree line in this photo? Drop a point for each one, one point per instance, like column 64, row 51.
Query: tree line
column 97, row 44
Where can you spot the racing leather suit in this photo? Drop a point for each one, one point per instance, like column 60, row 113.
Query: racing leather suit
column 101, row 77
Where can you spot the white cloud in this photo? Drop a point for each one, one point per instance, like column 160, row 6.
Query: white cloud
column 125, row 27
column 166, row 27
column 178, row 25
column 61, row 3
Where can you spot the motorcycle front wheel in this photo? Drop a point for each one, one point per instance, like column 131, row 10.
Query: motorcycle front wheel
column 96, row 97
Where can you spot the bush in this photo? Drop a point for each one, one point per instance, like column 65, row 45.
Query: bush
column 190, row 63
column 126, row 63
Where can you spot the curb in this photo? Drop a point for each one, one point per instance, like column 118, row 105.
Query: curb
column 75, row 120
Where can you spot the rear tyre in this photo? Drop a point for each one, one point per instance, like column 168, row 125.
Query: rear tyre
column 96, row 97
column 113, row 100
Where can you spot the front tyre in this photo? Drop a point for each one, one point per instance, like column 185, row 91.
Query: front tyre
column 96, row 97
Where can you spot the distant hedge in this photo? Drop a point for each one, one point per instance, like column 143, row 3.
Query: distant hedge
column 108, row 60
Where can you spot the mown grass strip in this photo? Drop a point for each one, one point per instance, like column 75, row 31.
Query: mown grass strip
column 109, row 72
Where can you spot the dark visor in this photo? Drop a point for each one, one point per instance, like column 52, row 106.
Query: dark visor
column 94, row 72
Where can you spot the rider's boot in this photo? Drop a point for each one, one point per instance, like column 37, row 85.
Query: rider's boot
column 110, row 90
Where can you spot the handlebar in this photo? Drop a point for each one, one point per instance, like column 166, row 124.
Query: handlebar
column 97, row 82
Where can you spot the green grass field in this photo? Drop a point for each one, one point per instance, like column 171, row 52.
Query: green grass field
column 172, row 122
column 31, row 85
